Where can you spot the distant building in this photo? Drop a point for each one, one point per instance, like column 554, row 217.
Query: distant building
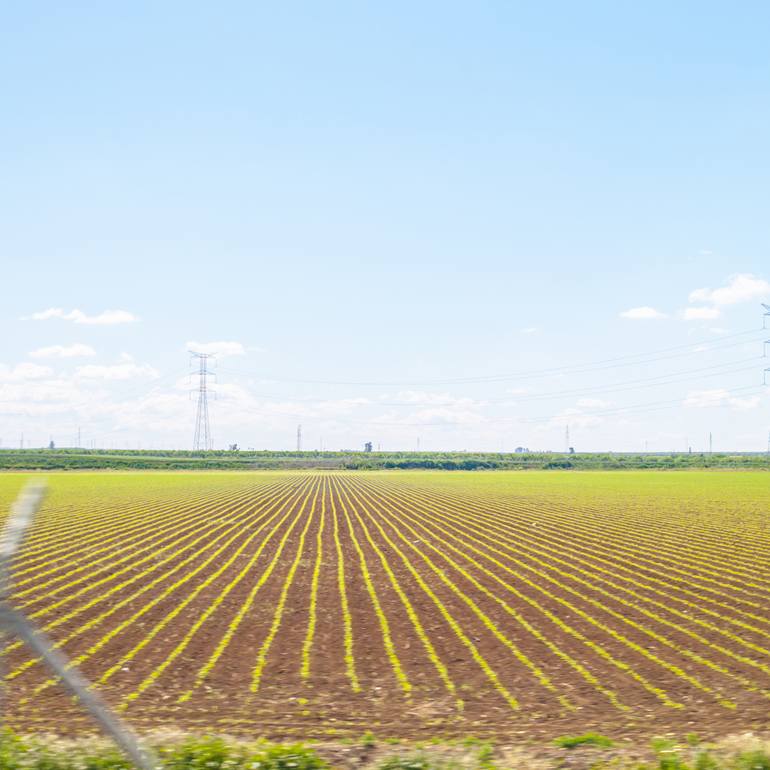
column 520, row 450
column 368, row 446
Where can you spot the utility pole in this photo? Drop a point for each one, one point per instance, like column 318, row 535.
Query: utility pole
column 767, row 342
column 78, row 437
column 711, row 443
column 202, row 440
column 299, row 438
column 566, row 440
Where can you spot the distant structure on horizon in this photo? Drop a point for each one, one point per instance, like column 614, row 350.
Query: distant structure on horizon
column 202, row 440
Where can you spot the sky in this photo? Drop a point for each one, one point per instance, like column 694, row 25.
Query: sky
column 452, row 226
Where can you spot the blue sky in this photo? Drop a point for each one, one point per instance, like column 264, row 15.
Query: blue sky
column 402, row 194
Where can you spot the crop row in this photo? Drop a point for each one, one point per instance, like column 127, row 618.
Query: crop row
column 339, row 596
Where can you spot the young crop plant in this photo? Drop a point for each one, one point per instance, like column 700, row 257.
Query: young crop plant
column 307, row 646
column 472, row 648
column 430, row 649
column 410, row 605
column 234, row 533
column 535, row 632
column 390, row 649
column 213, row 606
column 347, row 619
column 540, row 676
column 256, row 675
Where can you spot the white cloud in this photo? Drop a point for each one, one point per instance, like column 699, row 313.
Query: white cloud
column 221, row 349
column 123, row 371
column 426, row 398
column 106, row 318
column 63, row 351
column 574, row 417
column 701, row 313
column 742, row 287
column 707, row 304
column 594, row 403
column 704, row 399
column 25, row 371
column 752, row 402
column 529, row 330
column 643, row 313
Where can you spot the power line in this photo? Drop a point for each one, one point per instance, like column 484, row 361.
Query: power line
column 648, row 406
column 608, row 363
column 664, row 379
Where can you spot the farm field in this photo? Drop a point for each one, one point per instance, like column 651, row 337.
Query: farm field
column 411, row 604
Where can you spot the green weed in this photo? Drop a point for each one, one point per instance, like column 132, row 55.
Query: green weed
column 586, row 739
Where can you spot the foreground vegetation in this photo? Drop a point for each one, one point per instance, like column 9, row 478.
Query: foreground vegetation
column 211, row 753
column 103, row 459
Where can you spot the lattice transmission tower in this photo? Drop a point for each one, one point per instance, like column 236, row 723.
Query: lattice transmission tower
column 202, row 440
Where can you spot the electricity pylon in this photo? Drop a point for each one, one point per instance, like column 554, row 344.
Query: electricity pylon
column 202, row 440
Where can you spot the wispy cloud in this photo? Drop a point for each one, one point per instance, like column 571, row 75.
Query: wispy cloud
column 574, row 417
column 643, row 313
column 704, row 399
column 122, row 371
column 707, row 304
column 594, row 403
column 23, row 372
column 701, row 313
column 221, row 349
column 77, row 350
column 106, row 318
column 742, row 287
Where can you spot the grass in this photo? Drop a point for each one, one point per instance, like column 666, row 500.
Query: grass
column 211, row 753
column 586, row 739
column 191, row 754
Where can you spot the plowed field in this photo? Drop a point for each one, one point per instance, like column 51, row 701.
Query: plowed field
column 408, row 604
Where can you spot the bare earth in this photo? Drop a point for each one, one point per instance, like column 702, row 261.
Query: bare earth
column 323, row 605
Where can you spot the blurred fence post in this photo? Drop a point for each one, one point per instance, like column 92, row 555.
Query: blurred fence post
column 14, row 624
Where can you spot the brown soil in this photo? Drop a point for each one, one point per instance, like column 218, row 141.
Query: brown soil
column 566, row 604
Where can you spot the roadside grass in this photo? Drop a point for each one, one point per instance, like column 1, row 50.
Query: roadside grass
column 586, row 739
column 214, row 753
